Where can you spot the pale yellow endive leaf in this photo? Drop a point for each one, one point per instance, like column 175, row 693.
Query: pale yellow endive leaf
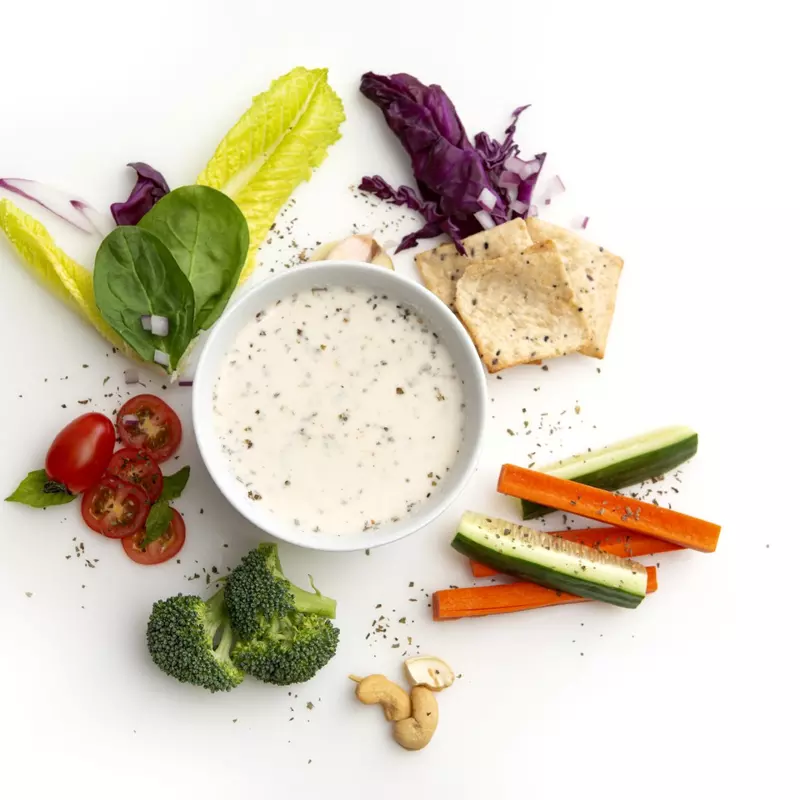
column 64, row 277
column 274, row 147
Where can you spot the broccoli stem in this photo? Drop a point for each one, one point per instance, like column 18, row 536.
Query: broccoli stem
column 313, row 602
column 216, row 613
column 218, row 626
column 216, row 606
column 222, row 652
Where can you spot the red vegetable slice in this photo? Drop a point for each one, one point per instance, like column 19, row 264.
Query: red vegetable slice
column 115, row 508
column 136, row 467
column 147, row 423
column 162, row 549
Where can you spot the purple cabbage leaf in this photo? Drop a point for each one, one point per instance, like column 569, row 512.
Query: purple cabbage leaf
column 150, row 187
column 451, row 172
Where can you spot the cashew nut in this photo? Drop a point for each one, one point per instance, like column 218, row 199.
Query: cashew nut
column 376, row 689
column 415, row 733
column 429, row 671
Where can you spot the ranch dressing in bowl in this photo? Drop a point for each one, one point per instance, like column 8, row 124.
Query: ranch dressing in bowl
column 339, row 409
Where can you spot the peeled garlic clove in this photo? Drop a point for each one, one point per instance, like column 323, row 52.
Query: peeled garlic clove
column 429, row 671
column 361, row 247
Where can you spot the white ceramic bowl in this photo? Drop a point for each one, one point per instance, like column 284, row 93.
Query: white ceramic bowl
column 377, row 279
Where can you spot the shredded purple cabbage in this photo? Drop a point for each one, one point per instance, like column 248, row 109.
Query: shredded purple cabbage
column 451, row 172
column 150, row 187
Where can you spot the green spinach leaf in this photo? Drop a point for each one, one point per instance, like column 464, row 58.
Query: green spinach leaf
column 135, row 275
column 207, row 234
column 175, row 484
column 38, row 491
column 158, row 521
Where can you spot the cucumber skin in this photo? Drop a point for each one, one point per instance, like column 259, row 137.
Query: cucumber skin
column 541, row 575
column 627, row 473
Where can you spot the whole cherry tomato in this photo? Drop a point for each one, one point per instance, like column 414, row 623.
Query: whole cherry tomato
column 80, row 454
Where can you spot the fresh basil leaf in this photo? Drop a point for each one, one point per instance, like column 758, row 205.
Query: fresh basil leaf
column 207, row 234
column 158, row 521
column 175, row 484
column 38, row 491
column 136, row 275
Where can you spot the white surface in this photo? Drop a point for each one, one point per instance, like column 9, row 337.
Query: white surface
column 674, row 128
column 380, row 280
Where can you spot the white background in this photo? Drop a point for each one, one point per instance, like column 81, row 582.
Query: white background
column 674, row 127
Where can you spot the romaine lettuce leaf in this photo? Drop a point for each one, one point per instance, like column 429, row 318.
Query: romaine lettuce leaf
column 273, row 148
column 64, row 277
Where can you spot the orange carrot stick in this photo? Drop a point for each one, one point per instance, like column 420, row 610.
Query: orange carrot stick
column 618, row 542
column 604, row 506
column 481, row 571
column 506, row 598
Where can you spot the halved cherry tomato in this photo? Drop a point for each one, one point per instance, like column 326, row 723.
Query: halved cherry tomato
column 147, row 423
column 80, row 453
column 162, row 549
column 136, row 467
column 115, row 508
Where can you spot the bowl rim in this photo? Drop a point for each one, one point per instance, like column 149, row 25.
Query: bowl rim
column 205, row 438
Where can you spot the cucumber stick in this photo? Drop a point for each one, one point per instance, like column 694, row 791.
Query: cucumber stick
column 550, row 561
column 622, row 464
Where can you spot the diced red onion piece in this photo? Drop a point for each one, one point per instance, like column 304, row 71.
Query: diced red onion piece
column 558, row 182
column 130, row 420
column 185, row 383
column 547, row 201
column 525, row 192
column 512, row 193
column 147, row 322
column 508, row 179
column 159, row 325
column 131, row 376
column 585, row 222
column 519, row 207
column 485, row 219
column 160, row 357
column 531, row 168
column 515, row 165
column 533, row 211
column 487, row 199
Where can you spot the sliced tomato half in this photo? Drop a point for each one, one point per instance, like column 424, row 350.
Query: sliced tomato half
column 147, row 423
column 115, row 508
column 136, row 467
column 162, row 549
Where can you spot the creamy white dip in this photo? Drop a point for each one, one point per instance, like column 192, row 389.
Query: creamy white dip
column 339, row 409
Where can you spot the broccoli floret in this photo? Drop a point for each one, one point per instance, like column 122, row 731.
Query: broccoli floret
column 257, row 592
column 191, row 640
column 291, row 649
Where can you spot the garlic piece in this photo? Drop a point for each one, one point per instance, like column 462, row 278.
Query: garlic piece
column 360, row 247
column 429, row 671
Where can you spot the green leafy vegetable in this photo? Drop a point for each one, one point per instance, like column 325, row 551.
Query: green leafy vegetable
column 38, row 491
column 207, row 234
column 273, row 148
column 160, row 516
column 136, row 275
column 175, row 484
column 185, row 260
column 158, row 521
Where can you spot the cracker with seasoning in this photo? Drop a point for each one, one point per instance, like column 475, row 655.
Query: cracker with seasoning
column 442, row 267
column 593, row 274
column 521, row 308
